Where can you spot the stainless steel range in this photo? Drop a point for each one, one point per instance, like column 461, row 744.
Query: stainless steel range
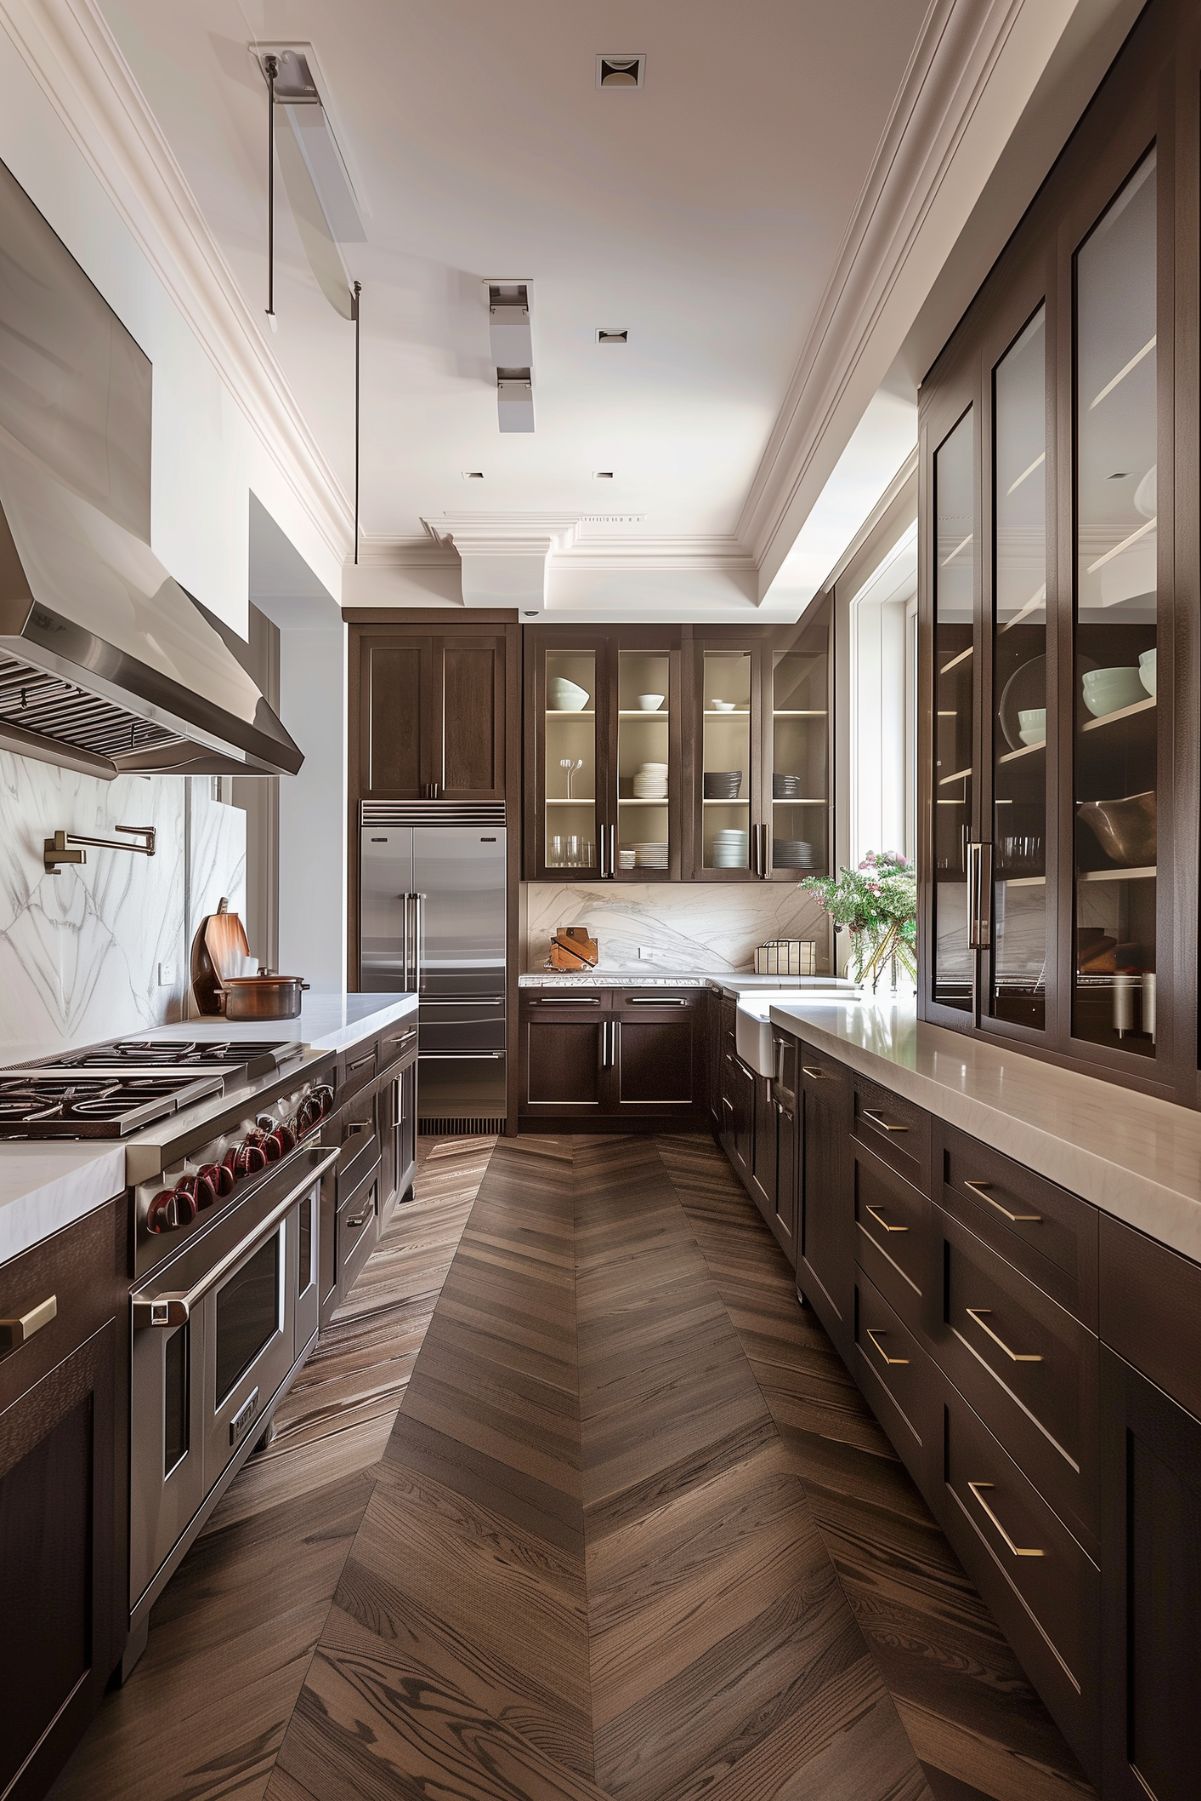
column 222, row 1154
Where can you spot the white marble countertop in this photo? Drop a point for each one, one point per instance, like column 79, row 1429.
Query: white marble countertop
column 727, row 981
column 1134, row 1157
column 46, row 1185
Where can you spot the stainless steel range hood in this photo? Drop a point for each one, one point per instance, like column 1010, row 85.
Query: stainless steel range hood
column 107, row 665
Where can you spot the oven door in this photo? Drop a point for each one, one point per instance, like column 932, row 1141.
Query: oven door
column 214, row 1334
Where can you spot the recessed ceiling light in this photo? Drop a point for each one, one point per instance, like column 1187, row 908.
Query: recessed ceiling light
column 603, row 475
column 473, row 475
column 620, row 71
column 612, row 334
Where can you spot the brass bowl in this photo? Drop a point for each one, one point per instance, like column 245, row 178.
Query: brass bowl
column 1125, row 829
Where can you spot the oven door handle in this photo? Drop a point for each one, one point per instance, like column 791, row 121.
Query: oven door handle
column 174, row 1308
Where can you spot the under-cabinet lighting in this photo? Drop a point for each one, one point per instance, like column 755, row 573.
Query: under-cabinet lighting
column 1124, row 544
column 1123, row 372
column 952, row 554
column 1024, row 612
column 955, row 661
column 1017, row 481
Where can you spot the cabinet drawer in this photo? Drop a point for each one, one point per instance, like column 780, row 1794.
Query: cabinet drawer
column 900, row 1382
column 1040, row 1583
column 637, row 1001
column 1150, row 1307
column 1027, row 1366
column 356, row 1067
column 60, row 1292
column 571, row 1005
column 395, row 1047
column 892, row 1234
column 357, row 1229
column 894, row 1128
column 1048, row 1233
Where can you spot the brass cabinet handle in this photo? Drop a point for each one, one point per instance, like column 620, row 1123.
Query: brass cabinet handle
column 976, row 1315
column 881, row 1221
column 878, row 1119
column 354, row 1224
column 810, row 1069
column 16, row 1332
column 1015, row 1550
column 980, row 1190
column 875, row 1337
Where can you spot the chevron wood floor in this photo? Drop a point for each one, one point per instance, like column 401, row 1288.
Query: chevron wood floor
column 575, row 1502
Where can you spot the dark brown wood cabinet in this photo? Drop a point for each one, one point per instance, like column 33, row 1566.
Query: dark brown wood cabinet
column 612, row 1055
column 1059, row 562
column 64, row 1411
column 825, row 1242
column 428, row 713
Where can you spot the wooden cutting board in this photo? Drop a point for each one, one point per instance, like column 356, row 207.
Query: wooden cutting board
column 572, row 948
column 220, row 950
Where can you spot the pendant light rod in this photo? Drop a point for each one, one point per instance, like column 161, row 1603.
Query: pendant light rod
column 354, row 313
column 271, row 66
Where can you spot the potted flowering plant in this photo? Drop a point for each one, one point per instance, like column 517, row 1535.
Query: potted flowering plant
column 877, row 904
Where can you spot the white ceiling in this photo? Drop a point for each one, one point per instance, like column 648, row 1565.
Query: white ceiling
column 705, row 213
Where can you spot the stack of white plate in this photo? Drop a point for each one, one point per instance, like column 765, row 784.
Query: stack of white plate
column 729, row 850
column 793, row 853
column 650, row 781
column 650, row 856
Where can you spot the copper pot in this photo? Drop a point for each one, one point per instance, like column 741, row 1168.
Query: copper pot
column 263, row 996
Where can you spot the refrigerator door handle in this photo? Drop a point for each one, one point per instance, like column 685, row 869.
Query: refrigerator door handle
column 418, row 932
column 404, row 955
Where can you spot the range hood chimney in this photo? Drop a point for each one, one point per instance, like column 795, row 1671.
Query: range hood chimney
column 107, row 665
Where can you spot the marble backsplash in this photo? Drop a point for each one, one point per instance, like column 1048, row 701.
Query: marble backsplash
column 679, row 926
column 81, row 951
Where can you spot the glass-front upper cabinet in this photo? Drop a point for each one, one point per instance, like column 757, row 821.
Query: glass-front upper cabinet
column 728, row 837
column 1021, row 934
column 954, row 890
column 604, row 774
column 798, row 726
column 1116, row 735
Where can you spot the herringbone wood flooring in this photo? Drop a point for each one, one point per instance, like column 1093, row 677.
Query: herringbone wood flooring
column 594, row 1512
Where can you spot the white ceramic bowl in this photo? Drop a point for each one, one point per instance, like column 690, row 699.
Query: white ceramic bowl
column 650, row 703
column 722, row 706
column 1146, row 670
column 1108, row 690
column 565, row 696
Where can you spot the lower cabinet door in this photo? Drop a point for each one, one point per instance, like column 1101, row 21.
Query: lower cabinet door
column 742, row 1087
column 826, row 1232
column 763, row 1154
column 652, row 1062
column 59, row 1572
column 406, row 1130
column 784, row 1210
column 1151, row 1558
column 562, row 1066
column 901, row 1383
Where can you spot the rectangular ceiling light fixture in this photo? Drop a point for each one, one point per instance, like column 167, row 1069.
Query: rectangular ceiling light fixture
column 515, row 399
column 512, row 353
column 620, row 71
column 612, row 335
column 298, row 93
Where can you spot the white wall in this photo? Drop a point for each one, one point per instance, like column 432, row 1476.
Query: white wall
column 312, row 806
column 206, row 455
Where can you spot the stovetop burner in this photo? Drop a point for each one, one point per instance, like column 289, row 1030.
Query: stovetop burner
column 36, row 1105
column 257, row 1056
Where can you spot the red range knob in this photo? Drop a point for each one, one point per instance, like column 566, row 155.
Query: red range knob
column 286, row 1135
column 246, row 1159
column 198, row 1189
column 220, row 1177
column 169, row 1210
column 325, row 1099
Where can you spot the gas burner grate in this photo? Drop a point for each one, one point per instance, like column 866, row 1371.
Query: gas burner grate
column 93, row 1106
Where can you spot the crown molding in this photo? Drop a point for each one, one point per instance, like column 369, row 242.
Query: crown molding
column 955, row 57
column 79, row 66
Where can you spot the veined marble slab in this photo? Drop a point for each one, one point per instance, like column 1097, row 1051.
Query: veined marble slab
column 44, row 1187
column 697, row 927
column 1135, row 1157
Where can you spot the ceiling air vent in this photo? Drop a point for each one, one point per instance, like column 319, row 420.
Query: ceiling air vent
column 613, row 335
column 620, row 71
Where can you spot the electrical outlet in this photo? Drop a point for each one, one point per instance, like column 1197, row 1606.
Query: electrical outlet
column 166, row 975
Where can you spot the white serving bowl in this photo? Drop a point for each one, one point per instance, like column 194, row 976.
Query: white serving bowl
column 1109, row 690
column 1146, row 670
column 722, row 706
column 650, row 703
column 565, row 696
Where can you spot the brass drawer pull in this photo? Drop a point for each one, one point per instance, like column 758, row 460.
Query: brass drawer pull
column 881, row 1221
column 878, row 1119
column 16, row 1332
column 875, row 1337
column 1016, row 1550
column 354, row 1224
column 976, row 1315
column 809, row 1069
column 980, row 1190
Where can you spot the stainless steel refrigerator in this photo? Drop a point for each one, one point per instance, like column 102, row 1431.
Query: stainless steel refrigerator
column 432, row 919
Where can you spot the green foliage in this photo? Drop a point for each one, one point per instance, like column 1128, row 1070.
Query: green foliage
column 877, row 904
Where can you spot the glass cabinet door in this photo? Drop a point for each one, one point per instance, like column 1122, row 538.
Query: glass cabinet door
column 1114, row 676
column 798, row 726
column 953, row 582
column 646, row 803
column 570, row 764
column 1018, row 727
column 727, row 773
